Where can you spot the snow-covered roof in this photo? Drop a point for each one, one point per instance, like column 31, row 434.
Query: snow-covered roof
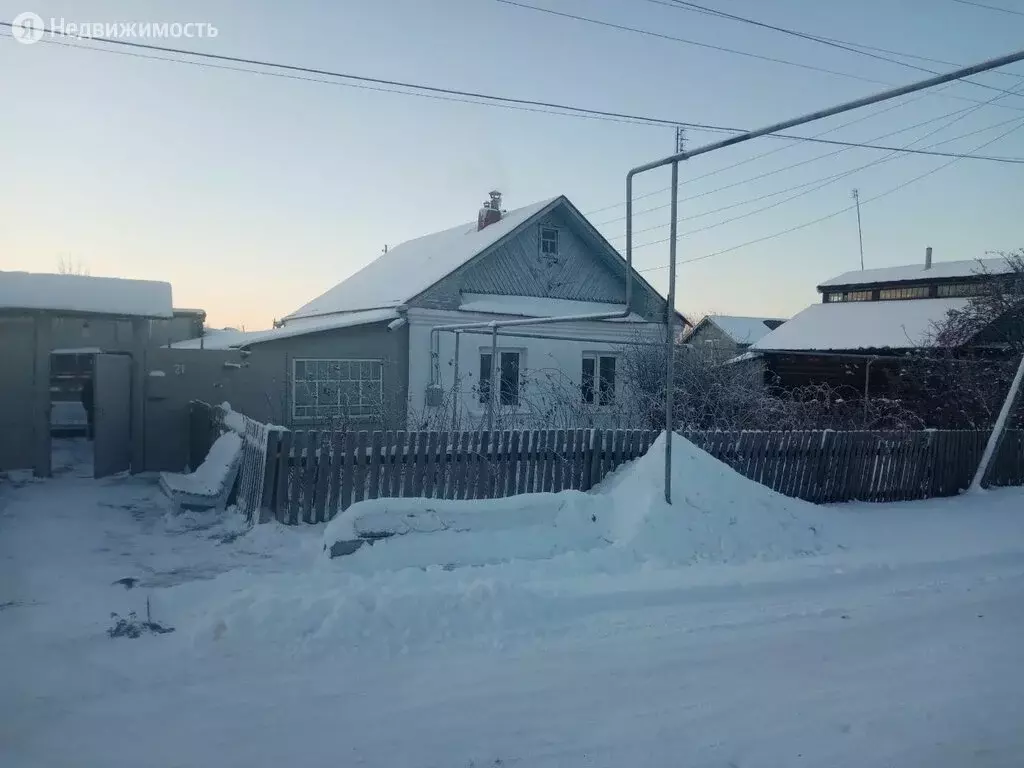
column 745, row 330
column 410, row 268
column 534, row 306
column 232, row 339
column 860, row 325
column 940, row 270
column 85, row 294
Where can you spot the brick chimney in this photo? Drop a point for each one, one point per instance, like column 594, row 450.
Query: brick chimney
column 490, row 211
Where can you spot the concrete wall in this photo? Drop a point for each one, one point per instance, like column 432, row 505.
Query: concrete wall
column 257, row 382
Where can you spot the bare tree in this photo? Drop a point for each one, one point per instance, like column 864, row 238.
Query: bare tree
column 993, row 317
column 68, row 265
column 974, row 351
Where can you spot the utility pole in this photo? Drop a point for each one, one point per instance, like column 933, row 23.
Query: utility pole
column 680, row 139
column 860, row 234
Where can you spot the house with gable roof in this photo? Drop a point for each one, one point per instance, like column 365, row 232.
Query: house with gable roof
column 363, row 352
column 725, row 336
column 868, row 321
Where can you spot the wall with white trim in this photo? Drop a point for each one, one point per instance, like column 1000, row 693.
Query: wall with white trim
column 549, row 359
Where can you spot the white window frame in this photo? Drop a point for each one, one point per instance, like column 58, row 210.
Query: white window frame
column 596, row 357
column 519, row 384
column 543, row 240
column 342, row 411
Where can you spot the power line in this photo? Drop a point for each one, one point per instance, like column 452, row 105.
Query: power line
column 989, row 7
column 834, row 213
column 825, row 181
column 685, row 5
column 762, row 155
column 955, row 118
column 959, row 115
column 686, row 41
column 918, row 57
column 814, row 184
column 376, row 84
column 415, row 89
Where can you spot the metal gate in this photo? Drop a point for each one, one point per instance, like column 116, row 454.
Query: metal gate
column 112, row 407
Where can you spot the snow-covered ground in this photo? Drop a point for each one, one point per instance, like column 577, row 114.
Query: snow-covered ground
column 719, row 632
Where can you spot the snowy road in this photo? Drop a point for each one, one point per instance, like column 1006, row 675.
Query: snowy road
column 902, row 650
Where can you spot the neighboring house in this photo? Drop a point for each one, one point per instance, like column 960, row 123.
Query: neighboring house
column 725, row 336
column 362, row 353
column 867, row 320
column 45, row 317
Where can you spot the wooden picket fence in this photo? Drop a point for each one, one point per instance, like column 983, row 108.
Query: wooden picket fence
column 824, row 466
column 310, row 476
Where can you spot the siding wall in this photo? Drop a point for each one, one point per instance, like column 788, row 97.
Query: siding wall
column 709, row 339
column 17, row 392
column 258, row 384
column 544, row 362
column 517, row 268
column 113, row 335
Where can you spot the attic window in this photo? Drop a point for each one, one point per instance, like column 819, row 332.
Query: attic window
column 548, row 241
column 906, row 292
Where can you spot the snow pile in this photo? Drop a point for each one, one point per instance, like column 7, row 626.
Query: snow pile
column 418, row 533
column 210, row 476
column 718, row 516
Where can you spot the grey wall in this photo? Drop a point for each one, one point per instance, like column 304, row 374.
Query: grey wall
column 366, row 342
column 721, row 346
column 114, row 335
column 17, row 393
column 257, row 383
column 515, row 267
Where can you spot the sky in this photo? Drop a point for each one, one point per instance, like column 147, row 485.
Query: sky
column 252, row 194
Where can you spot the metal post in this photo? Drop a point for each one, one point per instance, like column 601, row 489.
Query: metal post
column 492, row 400
column 670, row 333
column 457, row 391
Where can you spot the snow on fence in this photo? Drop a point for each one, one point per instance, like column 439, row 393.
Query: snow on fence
column 309, row 476
column 313, row 475
column 206, row 422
